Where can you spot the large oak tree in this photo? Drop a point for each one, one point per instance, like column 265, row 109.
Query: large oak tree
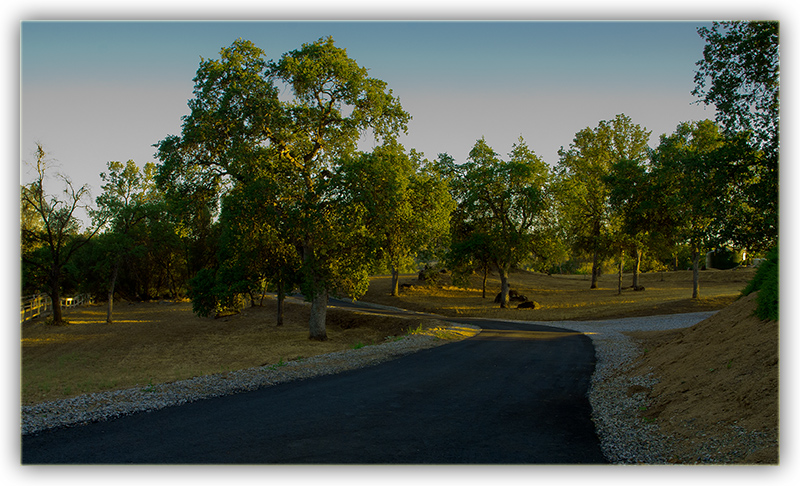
column 241, row 129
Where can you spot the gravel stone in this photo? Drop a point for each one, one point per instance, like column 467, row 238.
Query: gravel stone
column 624, row 438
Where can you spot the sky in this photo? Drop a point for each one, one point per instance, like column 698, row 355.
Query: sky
column 93, row 92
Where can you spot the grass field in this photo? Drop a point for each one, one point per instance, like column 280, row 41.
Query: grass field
column 163, row 342
column 568, row 297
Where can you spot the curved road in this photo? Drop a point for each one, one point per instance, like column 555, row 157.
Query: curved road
column 514, row 394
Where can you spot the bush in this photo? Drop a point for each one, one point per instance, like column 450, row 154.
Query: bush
column 201, row 291
column 766, row 283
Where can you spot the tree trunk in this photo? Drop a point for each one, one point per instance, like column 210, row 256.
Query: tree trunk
column 637, row 254
column 111, row 284
column 485, row 278
column 55, row 298
column 319, row 310
column 619, row 274
column 594, row 269
column 395, row 282
column 173, row 289
column 504, row 286
column 319, row 298
column 281, row 298
column 695, row 273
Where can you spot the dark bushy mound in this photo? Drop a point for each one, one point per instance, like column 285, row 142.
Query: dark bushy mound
column 766, row 283
column 513, row 296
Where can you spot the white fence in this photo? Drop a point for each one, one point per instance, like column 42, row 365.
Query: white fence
column 40, row 304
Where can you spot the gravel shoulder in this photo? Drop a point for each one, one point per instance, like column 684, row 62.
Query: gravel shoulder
column 624, row 437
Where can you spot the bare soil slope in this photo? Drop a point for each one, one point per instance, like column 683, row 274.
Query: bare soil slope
column 718, row 386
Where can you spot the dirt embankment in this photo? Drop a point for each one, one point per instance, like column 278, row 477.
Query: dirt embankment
column 717, row 379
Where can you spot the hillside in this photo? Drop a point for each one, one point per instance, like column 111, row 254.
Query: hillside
column 717, row 395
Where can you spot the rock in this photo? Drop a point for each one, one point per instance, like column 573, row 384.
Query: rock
column 528, row 304
column 513, row 296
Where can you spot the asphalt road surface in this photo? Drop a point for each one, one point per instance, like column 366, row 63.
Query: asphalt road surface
column 514, row 394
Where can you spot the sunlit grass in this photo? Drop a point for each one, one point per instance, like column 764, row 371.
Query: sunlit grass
column 508, row 335
column 568, row 297
column 446, row 332
column 162, row 342
column 156, row 343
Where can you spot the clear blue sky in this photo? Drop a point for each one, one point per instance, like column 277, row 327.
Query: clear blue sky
column 92, row 92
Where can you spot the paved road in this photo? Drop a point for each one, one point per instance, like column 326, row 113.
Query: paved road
column 514, row 394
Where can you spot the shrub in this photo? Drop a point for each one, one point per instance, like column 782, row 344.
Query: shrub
column 765, row 282
column 201, row 291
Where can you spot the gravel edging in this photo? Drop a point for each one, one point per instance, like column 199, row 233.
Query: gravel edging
column 96, row 407
column 624, row 437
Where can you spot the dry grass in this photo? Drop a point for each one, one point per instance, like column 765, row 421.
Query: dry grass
column 568, row 297
column 163, row 342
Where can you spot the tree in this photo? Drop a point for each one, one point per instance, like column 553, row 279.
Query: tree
column 505, row 201
column 635, row 203
column 124, row 206
column 239, row 131
column 51, row 238
column 470, row 252
column 255, row 249
column 687, row 174
column 740, row 75
column 407, row 203
column 582, row 187
column 470, row 247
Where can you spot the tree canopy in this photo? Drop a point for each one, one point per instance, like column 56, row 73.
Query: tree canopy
column 502, row 207
column 740, row 75
column 240, row 131
column 582, row 181
column 265, row 189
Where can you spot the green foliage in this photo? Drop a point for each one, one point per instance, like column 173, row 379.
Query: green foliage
column 725, row 259
column 280, row 364
column 766, row 282
column 50, row 234
column 139, row 253
column 740, row 75
column 684, row 173
column 407, row 205
column 201, row 291
column 584, row 187
column 415, row 330
column 276, row 164
column 501, row 203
